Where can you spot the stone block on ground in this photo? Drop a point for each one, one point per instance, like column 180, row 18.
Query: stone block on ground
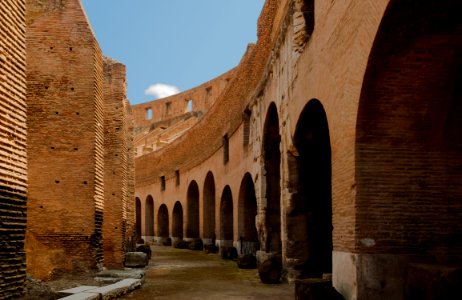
column 210, row 248
column 270, row 270
column 316, row 289
column 181, row 244
column 146, row 249
column 196, row 244
column 136, row 260
column 247, row 261
column 228, row 252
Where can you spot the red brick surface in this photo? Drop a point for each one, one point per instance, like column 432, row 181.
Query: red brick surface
column 13, row 165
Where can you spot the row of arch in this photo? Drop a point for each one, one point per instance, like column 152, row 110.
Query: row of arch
column 308, row 218
column 247, row 207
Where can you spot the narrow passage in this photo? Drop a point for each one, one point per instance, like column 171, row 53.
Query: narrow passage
column 185, row 274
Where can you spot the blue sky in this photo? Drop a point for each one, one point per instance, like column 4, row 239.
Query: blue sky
column 182, row 43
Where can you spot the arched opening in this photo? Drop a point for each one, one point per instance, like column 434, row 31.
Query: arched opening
column 309, row 217
column 226, row 216
column 149, row 218
column 409, row 145
column 177, row 221
column 247, row 229
column 209, row 209
column 138, row 217
column 192, row 221
column 162, row 222
column 272, row 161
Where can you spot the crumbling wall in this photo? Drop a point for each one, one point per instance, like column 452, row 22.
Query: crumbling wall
column 65, row 140
column 117, row 187
column 202, row 98
column 13, row 163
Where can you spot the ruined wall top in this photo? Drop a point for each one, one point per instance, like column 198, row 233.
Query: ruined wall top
column 223, row 118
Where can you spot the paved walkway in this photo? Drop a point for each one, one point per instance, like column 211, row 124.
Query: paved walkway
column 184, row 274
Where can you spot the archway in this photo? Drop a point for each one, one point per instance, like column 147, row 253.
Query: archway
column 192, row 221
column 162, row 222
column 138, row 217
column 247, row 229
column 209, row 209
column 409, row 144
column 177, row 221
column 272, row 160
column 149, row 219
column 309, row 217
column 226, row 217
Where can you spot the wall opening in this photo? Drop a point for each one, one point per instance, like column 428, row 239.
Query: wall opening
column 308, row 13
column 177, row 177
column 409, row 135
column 162, row 183
column 149, row 217
column 192, row 220
column 189, row 105
column 247, row 229
column 138, row 217
column 209, row 207
column 309, row 220
column 246, row 127
column 272, row 161
column 226, row 215
column 225, row 149
column 162, row 222
column 177, row 221
column 149, row 114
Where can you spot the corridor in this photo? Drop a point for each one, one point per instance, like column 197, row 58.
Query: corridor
column 184, row 274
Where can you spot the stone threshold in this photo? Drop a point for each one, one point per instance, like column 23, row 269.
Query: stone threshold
column 101, row 293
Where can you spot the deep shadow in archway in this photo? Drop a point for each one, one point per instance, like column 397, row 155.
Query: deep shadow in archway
column 177, row 221
column 162, row 222
column 138, row 217
column 247, row 229
column 309, row 217
column 209, row 207
column 409, row 149
column 226, row 215
column 149, row 217
column 192, row 221
column 272, row 161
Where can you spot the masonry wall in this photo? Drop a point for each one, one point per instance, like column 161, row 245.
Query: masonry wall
column 65, row 140
column 203, row 97
column 383, row 78
column 117, row 228
column 13, row 160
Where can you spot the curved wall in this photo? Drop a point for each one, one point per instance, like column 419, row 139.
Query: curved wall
column 290, row 68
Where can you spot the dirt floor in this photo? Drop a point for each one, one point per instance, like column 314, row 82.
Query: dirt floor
column 39, row 290
column 185, row 274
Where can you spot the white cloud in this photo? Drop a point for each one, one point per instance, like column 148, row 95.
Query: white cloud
column 161, row 90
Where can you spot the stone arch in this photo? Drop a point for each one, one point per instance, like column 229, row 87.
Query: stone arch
column 192, row 220
column 247, row 208
column 226, row 216
column 409, row 140
column 138, row 217
column 149, row 218
column 209, row 208
column 272, row 161
column 162, row 222
column 177, row 221
column 309, row 215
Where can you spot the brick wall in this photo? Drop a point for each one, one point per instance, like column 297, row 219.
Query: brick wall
column 65, row 140
column 409, row 138
column 13, row 170
column 116, row 229
column 203, row 97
